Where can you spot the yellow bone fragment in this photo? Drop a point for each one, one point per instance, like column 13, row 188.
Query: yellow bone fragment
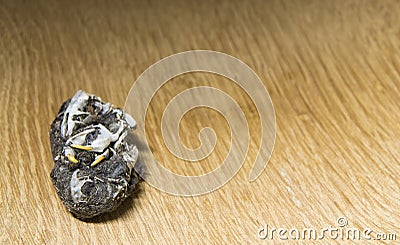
column 71, row 158
column 82, row 147
column 99, row 159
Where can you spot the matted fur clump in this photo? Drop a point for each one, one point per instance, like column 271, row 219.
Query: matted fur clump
column 93, row 159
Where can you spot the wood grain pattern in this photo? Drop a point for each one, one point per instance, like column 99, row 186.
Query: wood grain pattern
column 333, row 73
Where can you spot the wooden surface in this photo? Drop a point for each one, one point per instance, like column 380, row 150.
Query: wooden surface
column 333, row 72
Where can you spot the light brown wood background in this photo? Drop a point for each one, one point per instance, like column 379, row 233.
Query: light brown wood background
column 333, row 72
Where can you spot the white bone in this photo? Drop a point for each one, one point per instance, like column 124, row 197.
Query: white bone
column 79, row 139
column 120, row 139
column 76, row 185
column 69, row 151
column 131, row 122
column 104, row 138
column 77, row 102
